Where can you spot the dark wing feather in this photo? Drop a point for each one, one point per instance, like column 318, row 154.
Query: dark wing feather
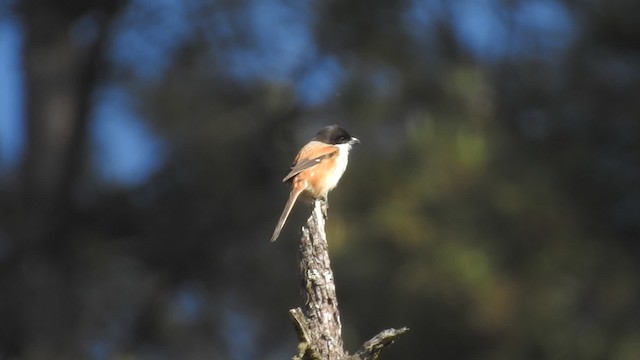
column 309, row 156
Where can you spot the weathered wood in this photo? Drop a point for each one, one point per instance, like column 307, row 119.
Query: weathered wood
column 319, row 292
column 305, row 351
column 318, row 327
column 371, row 349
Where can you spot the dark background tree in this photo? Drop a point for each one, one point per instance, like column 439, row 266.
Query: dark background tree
column 493, row 207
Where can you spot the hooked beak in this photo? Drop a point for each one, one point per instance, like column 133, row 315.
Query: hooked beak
column 354, row 141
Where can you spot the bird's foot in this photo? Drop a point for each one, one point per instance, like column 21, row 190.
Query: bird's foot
column 324, row 206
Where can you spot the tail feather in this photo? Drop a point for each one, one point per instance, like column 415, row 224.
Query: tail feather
column 285, row 213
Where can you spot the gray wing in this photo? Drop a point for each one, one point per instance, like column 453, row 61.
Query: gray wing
column 302, row 165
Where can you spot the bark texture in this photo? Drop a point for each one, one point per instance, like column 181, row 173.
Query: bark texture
column 318, row 326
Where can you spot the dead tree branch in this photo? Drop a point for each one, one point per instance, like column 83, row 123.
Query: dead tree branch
column 318, row 327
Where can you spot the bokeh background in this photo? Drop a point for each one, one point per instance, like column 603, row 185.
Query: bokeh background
column 493, row 206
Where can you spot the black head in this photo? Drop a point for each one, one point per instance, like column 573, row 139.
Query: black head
column 335, row 135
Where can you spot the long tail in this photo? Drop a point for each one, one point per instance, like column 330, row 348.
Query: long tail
column 293, row 196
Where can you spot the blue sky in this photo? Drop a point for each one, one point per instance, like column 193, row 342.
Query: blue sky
column 11, row 95
column 126, row 151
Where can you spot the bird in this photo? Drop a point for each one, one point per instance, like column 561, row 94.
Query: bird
column 317, row 168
